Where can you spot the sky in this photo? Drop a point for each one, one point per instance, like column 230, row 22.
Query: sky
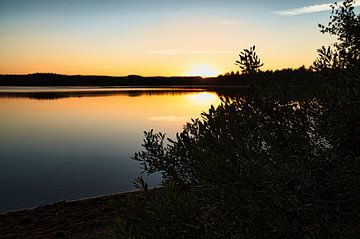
column 157, row 37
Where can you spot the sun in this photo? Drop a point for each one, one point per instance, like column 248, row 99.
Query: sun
column 203, row 70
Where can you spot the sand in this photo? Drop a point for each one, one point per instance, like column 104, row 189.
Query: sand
column 86, row 218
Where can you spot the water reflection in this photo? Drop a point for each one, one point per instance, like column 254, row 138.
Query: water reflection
column 80, row 144
column 46, row 93
column 203, row 98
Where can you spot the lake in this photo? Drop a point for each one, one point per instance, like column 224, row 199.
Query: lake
column 69, row 143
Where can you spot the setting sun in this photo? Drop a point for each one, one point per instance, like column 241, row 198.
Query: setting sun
column 203, row 70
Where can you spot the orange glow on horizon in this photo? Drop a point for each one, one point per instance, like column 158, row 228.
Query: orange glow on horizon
column 203, row 70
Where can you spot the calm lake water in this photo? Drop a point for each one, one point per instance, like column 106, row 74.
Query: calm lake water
column 66, row 143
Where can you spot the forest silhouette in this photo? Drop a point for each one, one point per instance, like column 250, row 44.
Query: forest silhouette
column 290, row 76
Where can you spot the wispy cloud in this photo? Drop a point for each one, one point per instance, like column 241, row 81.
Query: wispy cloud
column 308, row 9
column 184, row 52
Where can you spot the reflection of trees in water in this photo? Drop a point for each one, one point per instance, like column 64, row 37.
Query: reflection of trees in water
column 290, row 92
column 52, row 95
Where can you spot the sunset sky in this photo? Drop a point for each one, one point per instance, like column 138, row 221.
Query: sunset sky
column 156, row 37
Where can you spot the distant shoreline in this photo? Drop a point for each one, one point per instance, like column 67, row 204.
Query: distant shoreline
column 101, row 81
column 289, row 76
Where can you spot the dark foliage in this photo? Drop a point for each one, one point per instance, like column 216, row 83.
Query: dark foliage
column 249, row 61
column 342, row 69
column 344, row 24
column 254, row 168
column 261, row 166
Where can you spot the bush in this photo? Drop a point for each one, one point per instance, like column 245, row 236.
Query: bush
column 259, row 166
column 250, row 168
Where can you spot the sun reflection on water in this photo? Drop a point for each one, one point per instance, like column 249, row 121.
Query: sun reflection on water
column 203, row 98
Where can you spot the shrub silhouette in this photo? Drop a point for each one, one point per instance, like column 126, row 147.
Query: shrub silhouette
column 259, row 166
column 344, row 24
column 249, row 61
column 341, row 64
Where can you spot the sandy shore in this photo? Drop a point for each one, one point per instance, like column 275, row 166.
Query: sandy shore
column 85, row 218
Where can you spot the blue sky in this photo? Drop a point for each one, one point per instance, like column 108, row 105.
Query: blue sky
column 155, row 37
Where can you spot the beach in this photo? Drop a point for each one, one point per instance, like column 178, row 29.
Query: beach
column 85, row 218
